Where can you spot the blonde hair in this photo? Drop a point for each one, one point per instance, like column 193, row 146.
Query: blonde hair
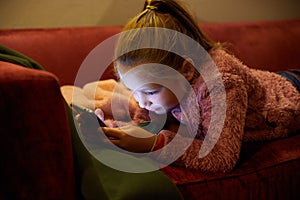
column 168, row 14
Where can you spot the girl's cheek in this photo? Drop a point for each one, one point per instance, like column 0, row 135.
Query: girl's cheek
column 136, row 96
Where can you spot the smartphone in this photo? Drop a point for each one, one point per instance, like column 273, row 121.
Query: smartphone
column 81, row 109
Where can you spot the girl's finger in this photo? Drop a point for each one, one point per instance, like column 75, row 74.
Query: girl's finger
column 113, row 133
column 110, row 139
column 99, row 113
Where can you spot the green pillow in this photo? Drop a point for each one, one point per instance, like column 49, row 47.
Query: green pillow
column 98, row 181
column 13, row 56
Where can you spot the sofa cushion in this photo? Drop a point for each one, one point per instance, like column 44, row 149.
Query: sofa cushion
column 36, row 153
column 266, row 170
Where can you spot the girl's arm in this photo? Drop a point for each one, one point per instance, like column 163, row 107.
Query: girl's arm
column 225, row 154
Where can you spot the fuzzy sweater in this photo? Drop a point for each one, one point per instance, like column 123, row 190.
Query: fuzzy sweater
column 257, row 105
column 260, row 105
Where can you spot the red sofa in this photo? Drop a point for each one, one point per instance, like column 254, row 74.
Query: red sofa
column 36, row 148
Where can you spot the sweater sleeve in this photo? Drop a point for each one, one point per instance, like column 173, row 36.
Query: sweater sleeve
column 225, row 153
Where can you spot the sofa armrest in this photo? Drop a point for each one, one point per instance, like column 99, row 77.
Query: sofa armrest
column 36, row 147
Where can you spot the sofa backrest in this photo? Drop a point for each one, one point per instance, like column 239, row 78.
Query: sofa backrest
column 270, row 45
column 59, row 50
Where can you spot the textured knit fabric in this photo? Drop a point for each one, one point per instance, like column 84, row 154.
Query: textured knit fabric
column 260, row 105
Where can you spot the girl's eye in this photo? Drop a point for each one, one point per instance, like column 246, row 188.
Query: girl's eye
column 150, row 92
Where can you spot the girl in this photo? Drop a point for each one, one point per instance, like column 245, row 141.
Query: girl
column 259, row 105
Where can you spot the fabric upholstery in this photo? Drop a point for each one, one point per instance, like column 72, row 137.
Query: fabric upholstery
column 59, row 50
column 36, row 146
column 263, row 172
column 94, row 179
column 271, row 45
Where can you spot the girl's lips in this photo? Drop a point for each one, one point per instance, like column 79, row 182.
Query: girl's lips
column 153, row 108
column 156, row 109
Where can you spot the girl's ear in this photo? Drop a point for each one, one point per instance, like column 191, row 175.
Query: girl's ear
column 187, row 69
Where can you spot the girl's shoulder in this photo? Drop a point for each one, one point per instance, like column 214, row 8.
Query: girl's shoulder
column 227, row 62
column 221, row 55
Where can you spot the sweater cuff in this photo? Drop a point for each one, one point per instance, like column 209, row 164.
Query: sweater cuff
column 160, row 142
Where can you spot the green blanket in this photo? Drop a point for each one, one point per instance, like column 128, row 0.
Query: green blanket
column 13, row 56
column 96, row 180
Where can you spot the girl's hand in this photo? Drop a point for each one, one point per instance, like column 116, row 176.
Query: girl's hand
column 131, row 138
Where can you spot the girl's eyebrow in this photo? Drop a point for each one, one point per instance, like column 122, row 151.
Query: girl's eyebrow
column 152, row 87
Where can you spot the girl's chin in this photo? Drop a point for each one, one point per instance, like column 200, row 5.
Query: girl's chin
column 159, row 110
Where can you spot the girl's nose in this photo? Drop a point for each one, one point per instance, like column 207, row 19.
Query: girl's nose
column 141, row 99
column 143, row 103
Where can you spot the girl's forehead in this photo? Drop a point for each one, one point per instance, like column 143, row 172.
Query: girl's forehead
column 154, row 70
column 149, row 86
column 138, row 83
column 131, row 71
column 134, row 77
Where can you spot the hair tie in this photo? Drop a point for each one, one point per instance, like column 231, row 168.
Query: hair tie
column 149, row 7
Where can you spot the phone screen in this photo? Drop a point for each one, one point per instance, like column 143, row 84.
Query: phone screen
column 81, row 109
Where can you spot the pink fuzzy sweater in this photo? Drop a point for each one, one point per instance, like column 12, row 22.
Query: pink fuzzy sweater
column 260, row 105
column 257, row 105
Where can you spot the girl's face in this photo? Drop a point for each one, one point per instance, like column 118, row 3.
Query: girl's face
column 155, row 98
column 152, row 95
